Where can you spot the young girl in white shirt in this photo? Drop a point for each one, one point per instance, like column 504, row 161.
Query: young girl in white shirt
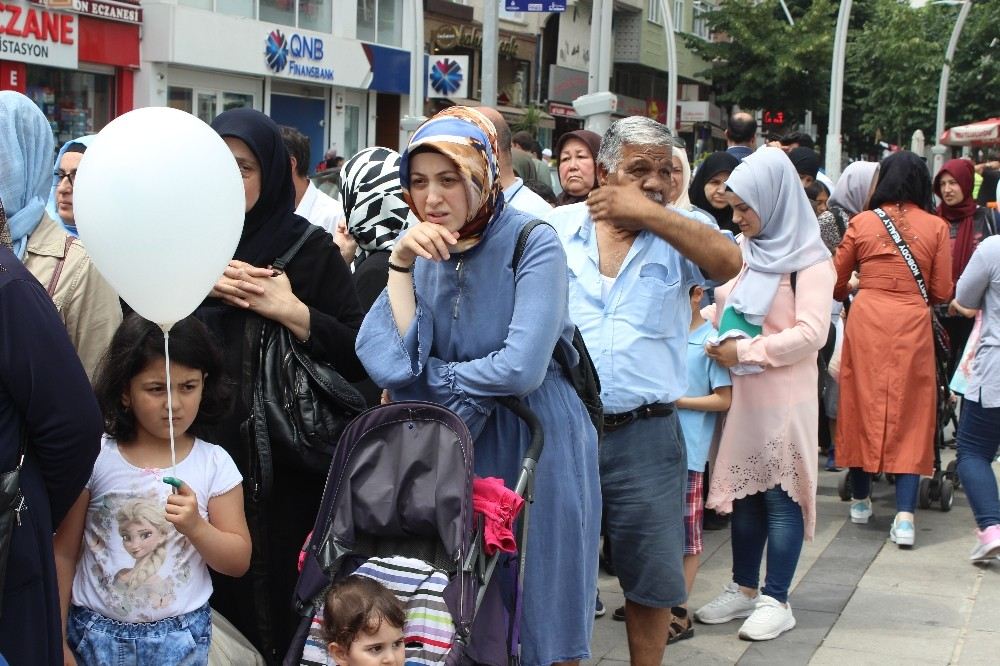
column 137, row 592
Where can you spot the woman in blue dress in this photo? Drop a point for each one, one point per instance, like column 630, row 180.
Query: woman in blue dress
column 457, row 327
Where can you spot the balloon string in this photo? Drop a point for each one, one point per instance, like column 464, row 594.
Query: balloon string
column 170, row 404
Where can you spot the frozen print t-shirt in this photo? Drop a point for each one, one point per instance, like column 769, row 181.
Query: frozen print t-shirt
column 134, row 565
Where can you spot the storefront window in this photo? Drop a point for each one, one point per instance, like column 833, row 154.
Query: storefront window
column 366, row 20
column 352, row 125
column 181, row 99
column 243, row 8
column 380, row 21
column 236, row 101
column 75, row 103
column 209, row 101
column 390, row 22
column 281, row 12
column 316, row 15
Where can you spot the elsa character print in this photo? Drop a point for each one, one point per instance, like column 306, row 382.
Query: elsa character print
column 145, row 532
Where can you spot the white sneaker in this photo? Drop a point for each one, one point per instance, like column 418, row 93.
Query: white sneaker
column 987, row 545
column 769, row 620
column 861, row 511
column 902, row 533
column 729, row 605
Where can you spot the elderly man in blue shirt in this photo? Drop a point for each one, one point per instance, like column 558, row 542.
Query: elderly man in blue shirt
column 632, row 262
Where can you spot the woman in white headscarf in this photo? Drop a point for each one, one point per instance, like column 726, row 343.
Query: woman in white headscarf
column 765, row 469
column 88, row 305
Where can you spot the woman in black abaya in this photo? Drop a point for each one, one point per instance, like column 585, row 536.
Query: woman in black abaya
column 315, row 300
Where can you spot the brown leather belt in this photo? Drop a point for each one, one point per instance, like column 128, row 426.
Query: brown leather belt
column 616, row 421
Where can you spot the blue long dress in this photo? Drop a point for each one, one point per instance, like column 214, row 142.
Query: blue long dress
column 480, row 332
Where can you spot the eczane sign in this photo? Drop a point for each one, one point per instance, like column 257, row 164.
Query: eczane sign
column 38, row 36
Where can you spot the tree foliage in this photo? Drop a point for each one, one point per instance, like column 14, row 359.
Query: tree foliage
column 894, row 56
column 768, row 63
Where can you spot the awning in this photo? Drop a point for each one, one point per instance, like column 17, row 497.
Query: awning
column 982, row 133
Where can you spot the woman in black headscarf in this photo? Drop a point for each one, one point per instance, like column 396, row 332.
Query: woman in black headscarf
column 315, row 300
column 708, row 188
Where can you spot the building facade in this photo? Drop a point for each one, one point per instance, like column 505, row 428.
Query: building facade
column 76, row 59
column 337, row 70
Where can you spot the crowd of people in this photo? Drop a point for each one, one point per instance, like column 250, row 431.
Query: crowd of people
column 730, row 315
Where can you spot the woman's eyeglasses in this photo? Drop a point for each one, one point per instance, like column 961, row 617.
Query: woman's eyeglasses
column 60, row 174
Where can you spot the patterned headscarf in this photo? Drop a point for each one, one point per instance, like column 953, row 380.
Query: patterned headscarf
column 373, row 203
column 469, row 140
column 788, row 240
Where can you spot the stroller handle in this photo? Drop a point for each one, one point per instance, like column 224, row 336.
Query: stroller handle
column 534, row 426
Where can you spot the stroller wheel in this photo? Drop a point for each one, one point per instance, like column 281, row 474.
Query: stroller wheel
column 947, row 495
column 844, row 487
column 951, row 473
column 924, row 494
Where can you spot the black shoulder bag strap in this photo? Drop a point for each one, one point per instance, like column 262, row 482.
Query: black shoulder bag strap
column 11, row 506
column 262, row 462
column 904, row 249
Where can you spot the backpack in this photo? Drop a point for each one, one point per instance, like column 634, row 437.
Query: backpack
column 582, row 376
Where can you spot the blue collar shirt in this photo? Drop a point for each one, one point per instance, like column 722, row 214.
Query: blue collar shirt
column 638, row 337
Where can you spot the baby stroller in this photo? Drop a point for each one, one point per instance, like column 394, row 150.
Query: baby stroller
column 400, row 484
column 941, row 486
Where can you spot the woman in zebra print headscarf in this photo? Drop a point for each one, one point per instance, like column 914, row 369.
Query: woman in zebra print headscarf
column 376, row 214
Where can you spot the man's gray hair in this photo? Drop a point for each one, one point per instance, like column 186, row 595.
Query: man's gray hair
column 633, row 131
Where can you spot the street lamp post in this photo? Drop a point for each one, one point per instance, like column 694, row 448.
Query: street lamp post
column 833, row 149
column 939, row 149
column 491, row 35
column 668, row 29
column 410, row 122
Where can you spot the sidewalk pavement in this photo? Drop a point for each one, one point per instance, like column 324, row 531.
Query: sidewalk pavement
column 857, row 598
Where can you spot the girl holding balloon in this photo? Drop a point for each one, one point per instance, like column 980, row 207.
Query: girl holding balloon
column 142, row 581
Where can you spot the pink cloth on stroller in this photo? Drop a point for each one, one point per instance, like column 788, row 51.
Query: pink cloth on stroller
column 499, row 505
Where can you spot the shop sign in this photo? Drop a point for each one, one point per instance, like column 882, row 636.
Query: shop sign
column 449, row 36
column 562, row 110
column 297, row 56
column 535, row 5
column 657, row 110
column 694, row 112
column 566, row 84
column 123, row 11
column 38, row 36
column 631, row 106
column 448, row 76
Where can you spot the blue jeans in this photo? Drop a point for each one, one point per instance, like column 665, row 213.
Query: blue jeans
column 978, row 439
column 907, row 486
column 772, row 518
column 99, row 641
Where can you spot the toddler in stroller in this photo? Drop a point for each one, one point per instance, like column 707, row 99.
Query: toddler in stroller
column 398, row 508
column 363, row 623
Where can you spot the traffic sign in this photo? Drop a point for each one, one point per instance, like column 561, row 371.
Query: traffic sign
column 535, row 5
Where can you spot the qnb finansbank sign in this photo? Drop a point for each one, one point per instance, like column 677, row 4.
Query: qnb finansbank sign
column 38, row 36
column 297, row 56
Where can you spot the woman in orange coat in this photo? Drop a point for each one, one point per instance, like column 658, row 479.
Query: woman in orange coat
column 887, row 382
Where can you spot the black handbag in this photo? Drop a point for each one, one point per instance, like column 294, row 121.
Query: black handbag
column 300, row 405
column 11, row 505
column 942, row 343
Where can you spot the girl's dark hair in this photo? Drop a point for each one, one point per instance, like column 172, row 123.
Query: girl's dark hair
column 815, row 189
column 358, row 603
column 139, row 341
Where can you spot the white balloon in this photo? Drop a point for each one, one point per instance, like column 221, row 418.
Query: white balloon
column 159, row 204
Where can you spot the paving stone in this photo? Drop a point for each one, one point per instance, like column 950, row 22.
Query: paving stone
column 980, row 647
column 815, row 596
